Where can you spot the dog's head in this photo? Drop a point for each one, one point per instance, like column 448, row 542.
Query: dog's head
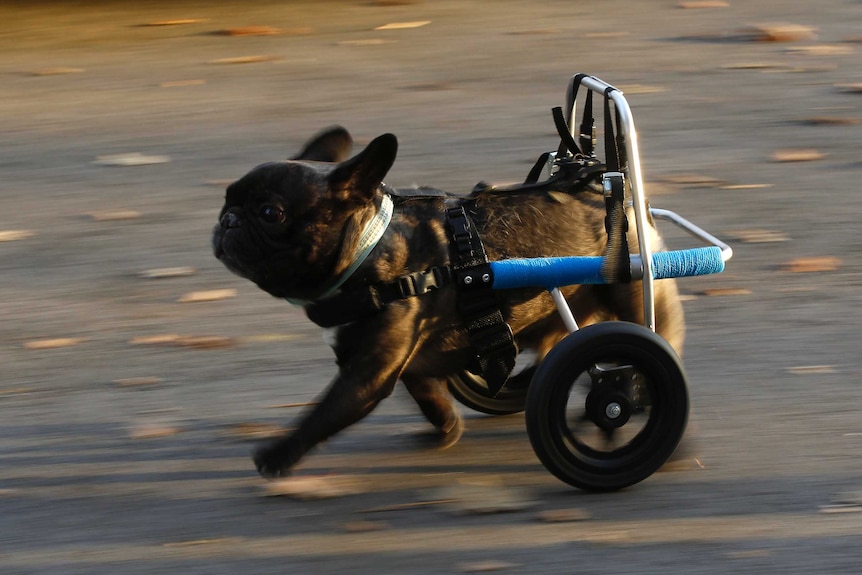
column 286, row 225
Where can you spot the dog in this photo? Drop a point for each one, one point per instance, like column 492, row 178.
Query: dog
column 294, row 228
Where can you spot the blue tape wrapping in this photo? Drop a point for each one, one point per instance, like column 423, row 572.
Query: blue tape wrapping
column 685, row 263
column 547, row 272
column 562, row 271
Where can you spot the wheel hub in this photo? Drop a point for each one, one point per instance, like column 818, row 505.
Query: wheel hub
column 609, row 404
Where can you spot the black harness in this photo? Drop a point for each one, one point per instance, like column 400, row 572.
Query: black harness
column 577, row 168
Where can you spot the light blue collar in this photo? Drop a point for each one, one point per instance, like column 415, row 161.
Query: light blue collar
column 371, row 235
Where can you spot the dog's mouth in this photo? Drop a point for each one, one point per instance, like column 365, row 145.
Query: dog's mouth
column 234, row 251
column 241, row 255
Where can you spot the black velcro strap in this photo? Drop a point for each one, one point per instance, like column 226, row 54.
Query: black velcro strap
column 537, row 168
column 567, row 142
column 612, row 152
column 617, row 265
column 490, row 336
column 587, row 132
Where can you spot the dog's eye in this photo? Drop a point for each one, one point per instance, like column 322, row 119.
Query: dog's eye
column 272, row 214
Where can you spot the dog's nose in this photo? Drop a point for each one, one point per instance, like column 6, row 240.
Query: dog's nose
column 229, row 220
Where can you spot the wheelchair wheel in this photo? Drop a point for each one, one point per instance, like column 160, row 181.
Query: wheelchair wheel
column 472, row 391
column 607, row 406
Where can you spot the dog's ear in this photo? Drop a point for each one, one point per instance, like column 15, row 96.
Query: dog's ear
column 364, row 172
column 331, row 145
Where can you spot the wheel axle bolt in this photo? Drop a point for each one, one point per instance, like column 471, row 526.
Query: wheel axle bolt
column 613, row 410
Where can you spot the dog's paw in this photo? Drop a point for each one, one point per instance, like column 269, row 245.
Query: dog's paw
column 449, row 437
column 270, row 463
column 445, row 438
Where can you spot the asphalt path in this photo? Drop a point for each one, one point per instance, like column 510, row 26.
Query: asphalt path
column 127, row 411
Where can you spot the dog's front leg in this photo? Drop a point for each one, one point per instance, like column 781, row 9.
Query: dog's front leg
column 369, row 368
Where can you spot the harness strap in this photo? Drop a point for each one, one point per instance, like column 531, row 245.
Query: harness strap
column 360, row 303
column 616, row 267
column 490, row 336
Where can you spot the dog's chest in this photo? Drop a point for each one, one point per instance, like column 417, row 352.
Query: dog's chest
column 330, row 336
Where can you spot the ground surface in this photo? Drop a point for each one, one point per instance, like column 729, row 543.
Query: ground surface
column 120, row 455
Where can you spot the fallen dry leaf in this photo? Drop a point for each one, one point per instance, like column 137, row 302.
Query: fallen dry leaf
column 693, row 180
column 812, row 264
column 308, row 487
column 535, row 32
column 831, row 121
column 389, row 3
column 749, row 553
column 745, row 186
column 703, row 4
column 407, row 506
column 161, row 273
column 57, row 71
column 849, row 497
column 196, row 542
column 485, row 566
column 15, row 390
column 605, row 35
column 177, row 22
column 564, row 515
column 780, row 32
column 270, row 338
column 249, row 31
column 811, row 369
column 758, row 236
column 632, row 89
column 726, row 291
column 840, row 508
column 821, row 50
column 138, row 381
column 114, row 215
column 130, row 159
column 254, row 431
column 428, row 86
column 855, row 88
column 52, row 343
column 206, row 341
column 797, row 155
column 364, row 526
column 153, row 431
column 403, row 25
column 365, row 42
column 752, row 66
column 160, row 339
column 207, row 295
column 15, row 235
column 182, row 83
column 244, row 60
column 475, row 499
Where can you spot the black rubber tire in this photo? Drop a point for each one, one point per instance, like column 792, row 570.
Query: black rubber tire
column 472, row 391
column 665, row 412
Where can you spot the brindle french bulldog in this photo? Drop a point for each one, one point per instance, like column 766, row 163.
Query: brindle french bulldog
column 293, row 227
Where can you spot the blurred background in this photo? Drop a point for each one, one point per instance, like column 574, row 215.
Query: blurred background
column 136, row 371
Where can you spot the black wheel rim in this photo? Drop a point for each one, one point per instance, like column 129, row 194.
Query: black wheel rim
column 647, row 406
column 576, row 431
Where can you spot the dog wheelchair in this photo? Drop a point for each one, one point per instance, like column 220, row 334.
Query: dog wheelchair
column 608, row 405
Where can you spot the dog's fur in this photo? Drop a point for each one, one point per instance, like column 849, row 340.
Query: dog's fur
column 291, row 227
